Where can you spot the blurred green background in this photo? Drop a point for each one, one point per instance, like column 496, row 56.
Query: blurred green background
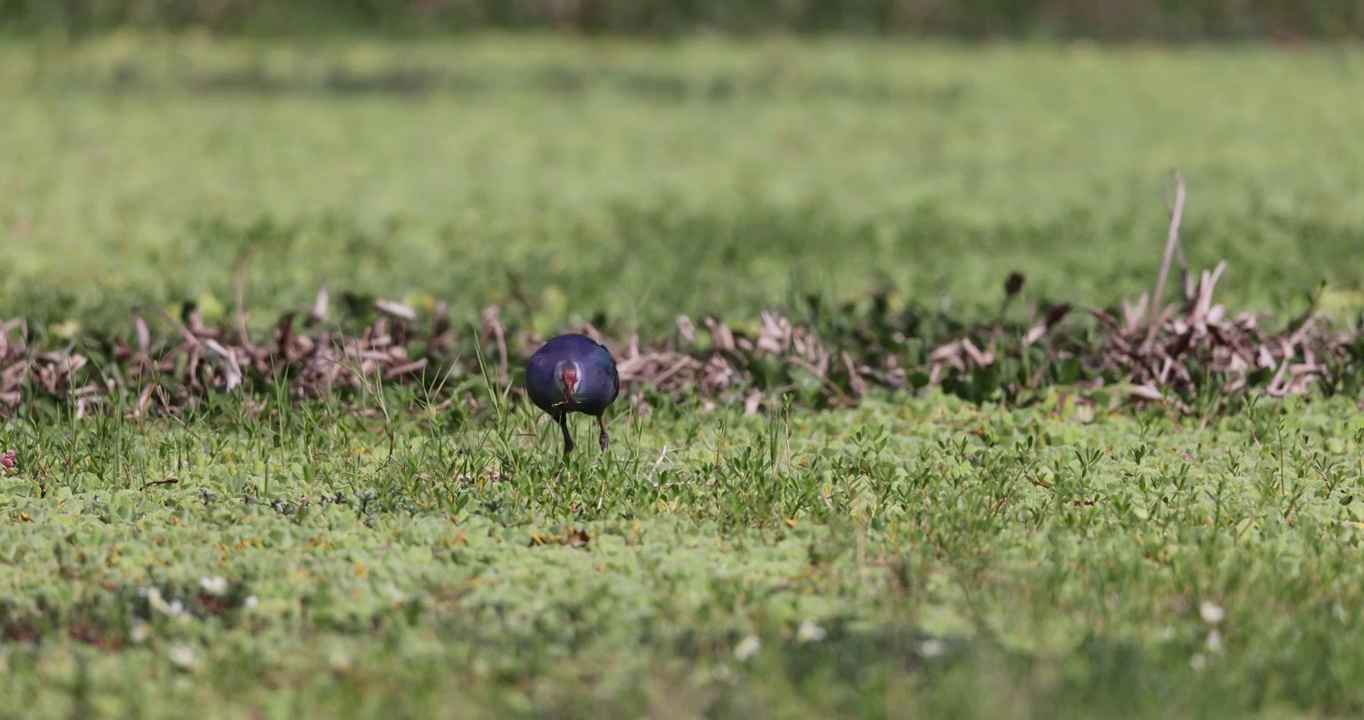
column 1109, row 19
column 567, row 177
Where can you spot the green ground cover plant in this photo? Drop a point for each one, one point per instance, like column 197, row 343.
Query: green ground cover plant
column 926, row 557
column 415, row 548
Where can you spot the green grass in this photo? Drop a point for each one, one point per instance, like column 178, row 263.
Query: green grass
column 641, row 181
column 1045, row 563
column 943, row 559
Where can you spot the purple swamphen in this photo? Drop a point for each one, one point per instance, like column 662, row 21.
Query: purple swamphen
column 573, row 373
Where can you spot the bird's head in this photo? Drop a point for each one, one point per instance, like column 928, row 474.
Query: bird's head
column 568, row 381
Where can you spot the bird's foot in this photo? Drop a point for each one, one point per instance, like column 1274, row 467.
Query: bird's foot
column 604, row 441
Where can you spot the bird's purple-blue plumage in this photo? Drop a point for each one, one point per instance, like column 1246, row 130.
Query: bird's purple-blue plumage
column 597, row 383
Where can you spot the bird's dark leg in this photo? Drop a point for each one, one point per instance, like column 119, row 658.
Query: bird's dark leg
column 568, row 440
column 603, row 440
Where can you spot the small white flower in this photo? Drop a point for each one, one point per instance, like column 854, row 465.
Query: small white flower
column 395, row 595
column 932, row 648
column 747, row 648
column 1338, row 611
column 1211, row 612
column 182, row 656
column 250, row 602
column 1198, row 662
column 213, row 585
column 720, row 673
column 139, row 631
column 174, row 609
column 810, row 632
column 1214, row 641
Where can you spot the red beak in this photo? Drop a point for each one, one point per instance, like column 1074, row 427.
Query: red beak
column 570, row 383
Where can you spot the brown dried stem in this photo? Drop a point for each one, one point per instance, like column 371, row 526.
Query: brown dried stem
column 1171, row 242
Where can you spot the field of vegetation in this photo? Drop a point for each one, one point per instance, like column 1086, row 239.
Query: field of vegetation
column 819, row 502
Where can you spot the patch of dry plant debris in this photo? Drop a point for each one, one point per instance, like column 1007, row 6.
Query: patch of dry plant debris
column 1174, row 354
